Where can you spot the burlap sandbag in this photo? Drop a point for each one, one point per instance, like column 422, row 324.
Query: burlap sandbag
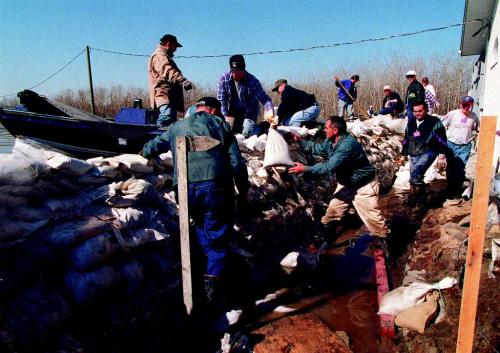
column 418, row 316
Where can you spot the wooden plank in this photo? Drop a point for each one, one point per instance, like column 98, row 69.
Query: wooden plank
column 386, row 321
column 477, row 232
column 182, row 185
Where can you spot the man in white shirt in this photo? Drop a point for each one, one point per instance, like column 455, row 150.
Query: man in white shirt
column 460, row 125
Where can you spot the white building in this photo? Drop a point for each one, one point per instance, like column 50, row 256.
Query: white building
column 481, row 38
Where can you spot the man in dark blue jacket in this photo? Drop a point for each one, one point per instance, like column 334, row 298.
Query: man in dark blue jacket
column 297, row 107
column 347, row 95
column 425, row 139
column 210, row 184
column 357, row 183
column 414, row 93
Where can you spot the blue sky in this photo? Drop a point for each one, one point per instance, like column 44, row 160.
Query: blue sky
column 37, row 37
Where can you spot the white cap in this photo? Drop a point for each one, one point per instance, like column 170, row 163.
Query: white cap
column 387, row 87
column 411, row 73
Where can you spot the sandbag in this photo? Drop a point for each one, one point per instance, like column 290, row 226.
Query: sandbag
column 137, row 237
column 7, row 200
column 86, row 287
column 129, row 217
column 16, row 171
column 94, row 251
column 133, row 192
column 67, row 234
column 11, row 230
column 276, row 152
column 68, row 165
column 132, row 163
column 29, row 214
column 417, row 317
column 76, row 203
column 36, row 314
column 133, row 276
column 406, row 296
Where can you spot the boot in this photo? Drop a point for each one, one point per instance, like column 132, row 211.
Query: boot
column 411, row 198
column 214, row 292
column 421, row 198
column 326, row 237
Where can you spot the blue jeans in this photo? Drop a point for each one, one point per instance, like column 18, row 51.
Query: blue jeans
column 385, row 111
column 303, row 116
column 409, row 112
column 419, row 165
column 345, row 109
column 456, row 159
column 248, row 127
column 211, row 205
column 167, row 116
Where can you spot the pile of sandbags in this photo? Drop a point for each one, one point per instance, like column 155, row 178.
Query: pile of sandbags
column 76, row 232
column 382, row 138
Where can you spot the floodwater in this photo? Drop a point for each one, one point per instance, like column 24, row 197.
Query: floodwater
column 6, row 140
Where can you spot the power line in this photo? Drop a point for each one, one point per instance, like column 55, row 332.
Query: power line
column 48, row 78
column 377, row 39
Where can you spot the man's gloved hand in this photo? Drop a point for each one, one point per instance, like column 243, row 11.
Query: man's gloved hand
column 297, row 168
column 188, row 85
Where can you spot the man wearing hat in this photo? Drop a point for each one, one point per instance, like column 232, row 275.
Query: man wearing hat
column 460, row 125
column 414, row 93
column 347, row 93
column 166, row 81
column 392, row 103
column 210, row 184
column 297, row 107
column 240, row 94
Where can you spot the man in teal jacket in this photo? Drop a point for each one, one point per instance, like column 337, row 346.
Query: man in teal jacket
column 357, row 183
column 210, row 184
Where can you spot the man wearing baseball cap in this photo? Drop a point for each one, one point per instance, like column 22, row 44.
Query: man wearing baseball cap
column 240, row 93
column 212, row 177
column 392, row 103
column 347, row 93
column 166, row 81
column 461, row 125
column 414, row 93
column 297, row 107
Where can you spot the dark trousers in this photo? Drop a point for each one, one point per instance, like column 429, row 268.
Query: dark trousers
column 211, row 205
column 419, row 165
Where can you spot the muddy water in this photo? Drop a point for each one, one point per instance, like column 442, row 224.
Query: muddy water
column 6, row 140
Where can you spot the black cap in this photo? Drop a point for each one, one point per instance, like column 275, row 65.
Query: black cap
column 237, row 62
column 210, row 102
column 278, row 83
column 170, row 38
column 355, row 77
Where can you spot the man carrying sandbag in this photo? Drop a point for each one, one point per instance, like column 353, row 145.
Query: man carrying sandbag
column 297, row 107
column 357, row 183
column 210, row 186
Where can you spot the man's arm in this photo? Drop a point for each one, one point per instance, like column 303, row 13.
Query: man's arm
column 238, row 164
column 165, row 69
column 222, row 96
column 339, row 159
column 261, row 95
column 316, row 148
column 446, row 121
column 157, row 146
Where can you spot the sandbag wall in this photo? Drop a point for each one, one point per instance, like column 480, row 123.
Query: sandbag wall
column 74, row 233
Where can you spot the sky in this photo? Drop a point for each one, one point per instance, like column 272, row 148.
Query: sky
column 38, row 37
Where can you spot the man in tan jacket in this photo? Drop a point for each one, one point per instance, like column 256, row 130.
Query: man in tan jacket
column 166, row 81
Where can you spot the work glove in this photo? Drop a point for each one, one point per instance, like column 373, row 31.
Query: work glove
column 188, row 85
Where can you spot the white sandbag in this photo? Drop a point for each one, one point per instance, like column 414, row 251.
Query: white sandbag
column 133, row 192
column 68, row 166
column 250, row 142
column 495, row 256
column 260, row 144
column 290, row 260
column 137, row 237
column 406, row 296
column 301, row 131
column 131, row 162
column 16, row 171
column 276, row 152
column 127, row 218
column 167, row 159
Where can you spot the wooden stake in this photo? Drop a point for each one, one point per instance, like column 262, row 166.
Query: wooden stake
column 182, row 189
column 183, row 145
column 476, row 235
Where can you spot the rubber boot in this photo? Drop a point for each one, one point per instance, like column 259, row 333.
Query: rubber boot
column 421, row 198
column 411, row 198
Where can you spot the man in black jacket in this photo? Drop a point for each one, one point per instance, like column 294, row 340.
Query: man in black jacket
column 392, row 103
column 414, row 93
column 297, row 107
column 425, row 138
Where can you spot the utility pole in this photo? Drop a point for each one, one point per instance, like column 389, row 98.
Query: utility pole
column 91, row 86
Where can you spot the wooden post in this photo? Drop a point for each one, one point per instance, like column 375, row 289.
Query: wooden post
column 182, row 189
column 91, row 85
column 183, row 145
column 476, row 235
